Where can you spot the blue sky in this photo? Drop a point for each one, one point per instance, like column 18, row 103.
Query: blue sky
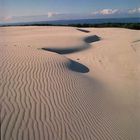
column 28, row 10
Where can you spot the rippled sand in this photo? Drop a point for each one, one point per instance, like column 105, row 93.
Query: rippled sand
column 64, row 83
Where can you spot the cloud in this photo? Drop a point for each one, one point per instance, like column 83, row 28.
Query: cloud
column 51, row 14
column 134, row 11
column 116, row 11
column 106, row 12
column 6, row 19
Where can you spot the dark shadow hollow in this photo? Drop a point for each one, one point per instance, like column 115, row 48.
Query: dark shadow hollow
column 66, row 50
column 91, row 39
column 78, row 67
column 82, row 30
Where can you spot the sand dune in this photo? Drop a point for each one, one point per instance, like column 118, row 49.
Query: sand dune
column 85, row 45
column 89, row 94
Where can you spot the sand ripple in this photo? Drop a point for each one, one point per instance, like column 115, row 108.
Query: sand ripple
column 46, row 96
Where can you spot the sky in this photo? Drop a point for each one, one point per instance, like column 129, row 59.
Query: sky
column 38, row 10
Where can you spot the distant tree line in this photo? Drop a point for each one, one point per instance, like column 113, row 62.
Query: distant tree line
column 135, row 26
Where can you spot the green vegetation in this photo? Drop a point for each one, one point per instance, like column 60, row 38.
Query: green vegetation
column 135, row 26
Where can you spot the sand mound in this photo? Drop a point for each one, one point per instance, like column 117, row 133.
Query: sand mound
column 91, row 94
column 67, row 50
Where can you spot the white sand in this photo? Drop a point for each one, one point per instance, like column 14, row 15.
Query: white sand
column 90, row 92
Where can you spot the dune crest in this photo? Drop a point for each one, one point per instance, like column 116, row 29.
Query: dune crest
column 87, row 40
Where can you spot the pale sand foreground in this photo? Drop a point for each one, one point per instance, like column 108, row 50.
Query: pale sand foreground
column 91, row 91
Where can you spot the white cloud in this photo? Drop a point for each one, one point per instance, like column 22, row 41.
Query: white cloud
column 6, row 18
column 106, row 12
column 51, row 14
column 134, row 11
column 116, row 11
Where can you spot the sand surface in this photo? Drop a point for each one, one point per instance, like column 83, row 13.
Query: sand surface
column 65, row 83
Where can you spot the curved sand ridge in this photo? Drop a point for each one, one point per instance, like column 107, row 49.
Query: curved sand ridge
column 83, row 46
column 43, row 98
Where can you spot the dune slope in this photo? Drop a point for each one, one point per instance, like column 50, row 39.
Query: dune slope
column 92, row 93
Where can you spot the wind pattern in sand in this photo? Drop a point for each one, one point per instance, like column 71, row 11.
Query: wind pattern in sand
column 43, row 95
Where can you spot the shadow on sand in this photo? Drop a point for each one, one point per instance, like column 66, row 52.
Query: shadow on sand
column 82, row 30
column 91, row 39
column 78, row 67
column 65, row 50
column 87, row 40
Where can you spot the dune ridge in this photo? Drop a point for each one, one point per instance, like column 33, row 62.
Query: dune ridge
column 48, row 96
column 86, row 45
column 31, row 99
